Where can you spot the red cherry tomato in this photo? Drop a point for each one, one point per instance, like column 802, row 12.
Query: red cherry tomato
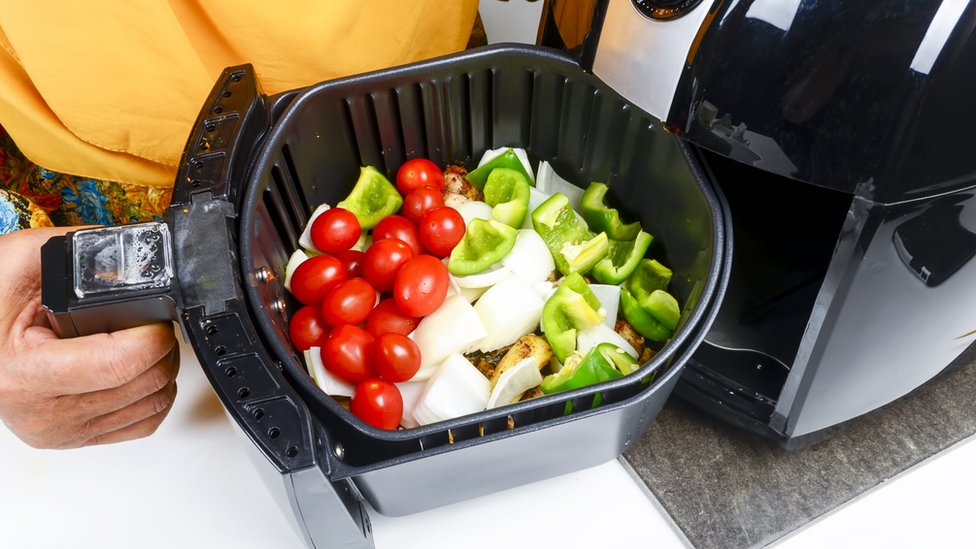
column 315, row 277
column 349, row 302
column 377, row 403
column 399, row 227
column 416, row 173
column 421, row 285
column 395, row 357
column 352, row 260
column 306, row 329
column 387, row 318
column 335, row 230
column 383, row 261
column 441, row 230
column 346, row 353
column 421, row 201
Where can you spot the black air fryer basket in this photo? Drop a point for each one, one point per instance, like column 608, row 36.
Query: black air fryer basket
column 256, row 166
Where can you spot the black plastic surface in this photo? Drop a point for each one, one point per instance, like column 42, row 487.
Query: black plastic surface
column 838, row 94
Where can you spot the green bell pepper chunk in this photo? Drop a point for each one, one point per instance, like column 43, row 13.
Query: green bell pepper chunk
column 604, row 218
column 507, row 192
column 507, row 159
column 623, row 257
column 655, row 318
column 485, row 242
column 649, row 275
column 573, row 247
column 593, row 368
column 572, row 307
column 622, row 361
column 372, row 198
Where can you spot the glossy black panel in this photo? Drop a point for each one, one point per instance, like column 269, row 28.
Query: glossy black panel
column 864, row 97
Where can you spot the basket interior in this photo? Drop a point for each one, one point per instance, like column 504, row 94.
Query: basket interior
column 451, row 110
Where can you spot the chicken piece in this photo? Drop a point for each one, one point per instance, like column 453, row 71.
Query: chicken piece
column 527, row 346
column 454, row 183
column 628, row 332
column 487, row 362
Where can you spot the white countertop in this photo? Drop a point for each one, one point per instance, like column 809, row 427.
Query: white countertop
column 191, row 485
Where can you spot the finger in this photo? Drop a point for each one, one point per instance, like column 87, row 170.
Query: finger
column 90, row 405
column 133, row 421
column 139, row 429
column 99, row 361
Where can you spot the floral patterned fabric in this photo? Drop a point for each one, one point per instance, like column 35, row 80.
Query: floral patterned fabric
column 31, row 196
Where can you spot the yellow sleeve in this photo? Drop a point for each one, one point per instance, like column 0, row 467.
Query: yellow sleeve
column 109, row 91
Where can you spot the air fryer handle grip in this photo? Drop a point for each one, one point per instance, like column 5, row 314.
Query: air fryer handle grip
column 108, row 279
column 231, row 124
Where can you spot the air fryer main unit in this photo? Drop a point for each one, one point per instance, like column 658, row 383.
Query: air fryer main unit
column 842, row 135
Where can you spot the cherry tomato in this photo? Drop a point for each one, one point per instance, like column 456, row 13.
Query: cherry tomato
column 335, row 230
column 383, row 261
column 352, row 260
column 441, row 230
column 349, row 302
column 397, row 226
column 395, row 357
column 387, row 318
column 346, row 353
column 421, row 285
column 421, row 201
column 307, row 329
column 315, row 277
column 377, row 403
column 416, row 173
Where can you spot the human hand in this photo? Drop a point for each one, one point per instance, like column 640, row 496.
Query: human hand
column 66, row 393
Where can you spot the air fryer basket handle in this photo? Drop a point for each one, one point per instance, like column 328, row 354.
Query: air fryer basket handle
column 189, row 272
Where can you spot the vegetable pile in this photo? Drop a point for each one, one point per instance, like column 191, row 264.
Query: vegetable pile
column 452, row 292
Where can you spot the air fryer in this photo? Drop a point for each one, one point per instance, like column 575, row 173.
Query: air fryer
column 253, row 170
column 841, row 135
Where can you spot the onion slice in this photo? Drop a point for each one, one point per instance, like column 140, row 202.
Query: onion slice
column 296, row 259
column 508, row 311
column 601, row 333
column 484, row 279
column 530, row 258
column 410, row 392
column 453, row 328
column 609, row 296
column 457, row 389
column 329, row 383
column 548, row 181
column 473, row 209
column 305, row 240
column 515, row 381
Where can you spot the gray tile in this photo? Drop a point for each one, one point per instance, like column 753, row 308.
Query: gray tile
column 727, row 489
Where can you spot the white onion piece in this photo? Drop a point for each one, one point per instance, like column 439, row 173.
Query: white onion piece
column 490, row 155
column 536, row 198
column 484, row 279
column 297, row 258
column 410, row 392
column 473, row 209
column 456, row 389
column 305, row 240
column 472, row 294
column 601, row 333
column 508, row 311
column 609, row 296
column 544, row 288
column 530, row 258
column 453, row 328
column 548, row 181
column 515, row 381
column 329, row 383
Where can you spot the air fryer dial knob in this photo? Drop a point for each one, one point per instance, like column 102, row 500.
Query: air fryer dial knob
column 665, row 9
